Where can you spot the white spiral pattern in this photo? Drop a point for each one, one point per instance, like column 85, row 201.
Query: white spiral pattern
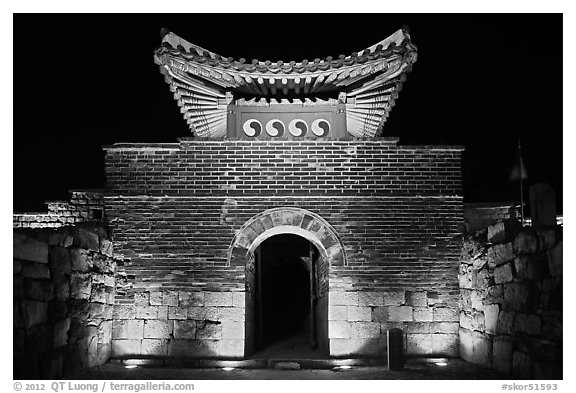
column 317, row 128
column 295, row 131
column 247, row 127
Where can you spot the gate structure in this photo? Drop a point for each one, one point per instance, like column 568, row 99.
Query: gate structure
column 282, row 148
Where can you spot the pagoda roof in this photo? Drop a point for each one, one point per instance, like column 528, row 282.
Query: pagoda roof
column 204, row 82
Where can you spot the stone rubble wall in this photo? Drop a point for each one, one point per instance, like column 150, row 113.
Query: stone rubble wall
column 511, row 300
column 63, row 301
column 83, row 206
column 162, row 323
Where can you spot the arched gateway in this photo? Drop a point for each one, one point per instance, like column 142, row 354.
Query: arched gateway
column 285, row 225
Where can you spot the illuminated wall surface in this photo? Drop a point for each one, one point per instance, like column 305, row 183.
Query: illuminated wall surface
column 188, row 217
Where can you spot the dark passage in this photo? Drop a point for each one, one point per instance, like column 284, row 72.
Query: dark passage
column 284, row 316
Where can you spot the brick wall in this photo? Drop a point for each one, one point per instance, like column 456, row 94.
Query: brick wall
column 174, row 210
column 84, row 206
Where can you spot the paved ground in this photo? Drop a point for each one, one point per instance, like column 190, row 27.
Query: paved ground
column 414, row 369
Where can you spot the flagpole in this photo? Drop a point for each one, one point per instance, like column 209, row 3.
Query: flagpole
column 521, row 181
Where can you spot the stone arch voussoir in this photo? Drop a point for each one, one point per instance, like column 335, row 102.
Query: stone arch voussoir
column 287, row 220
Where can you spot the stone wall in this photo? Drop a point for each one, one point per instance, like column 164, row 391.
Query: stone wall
column 511, row 307
column 83, row 206
column 63, row 301
column 175, row 210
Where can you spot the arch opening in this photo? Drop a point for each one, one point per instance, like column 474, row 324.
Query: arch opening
column 286, row 294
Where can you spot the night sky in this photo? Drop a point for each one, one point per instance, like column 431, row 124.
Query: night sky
column 482, row 81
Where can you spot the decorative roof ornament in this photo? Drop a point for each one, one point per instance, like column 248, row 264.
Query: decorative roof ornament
column 224, row 97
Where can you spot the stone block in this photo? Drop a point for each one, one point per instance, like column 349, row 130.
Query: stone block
column 379, row 314
column 208, row 330
column 35, row 270
column 42, row 290
column 16, row 267
column 61, row 239
column 337, row 313
column 516, row 297
column 417, row 327
column 190, row 299
column 533, row 266
column 18, row 290
column 475, row 347
column 356, row 346
column 80, row 286
column 555, row 260
column 197, row 313
column 103, row 264
column 154, row 347
column 482, row 279
column 27, row 248
column 147, row 312
column 494, row 294
column 343, row 298
column 142, row 298
column 359, row 313
column 185, row 329
column 491, row 318
column 60, row 260
column 445, row 344
column 400, row 314
column 466, row 320
column 503, row 273
column 339, row 329
column 156, row 298
column 233, row 330
column 126, row 347
column 395, row 298
column 124, row 311
column 170, row 298
column 477, row 321
column 365, row 329
column 230, row 348
column 500, row 253
column 552, row 298
column 239, row 299
column 98, row 294
column 225, row 314
column 85, row 239
column 505, row 322
column 61, row 287
column 526, row 242
column 444, row 327
column 221, row 299
column 552, row 326
column 503, row 231
column 17, row 318
column 99, row 311
column 128, row 329
column 80, row 260
column 521, row 365
column 423, row 314
column 34, row 312
column 502, row 354
column 61, row 328
column 107, row 247
column 105, row 332
column 417, row 299
column 446, row 314
column 477, row 299
column 158, row 329
column 367, row 299
column 530, row 324
column 418, row 344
